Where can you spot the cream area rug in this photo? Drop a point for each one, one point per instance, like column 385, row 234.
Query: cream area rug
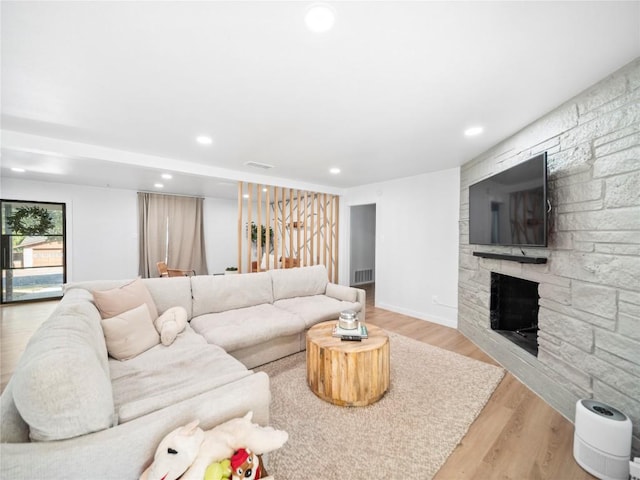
column 433, row 398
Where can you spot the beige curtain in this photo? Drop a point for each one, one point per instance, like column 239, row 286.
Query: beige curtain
column 171, row 230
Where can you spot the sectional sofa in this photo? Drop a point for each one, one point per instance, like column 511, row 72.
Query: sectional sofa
column 71, row 410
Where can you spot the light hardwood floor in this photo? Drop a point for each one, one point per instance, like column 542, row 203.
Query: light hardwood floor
column 516, row 436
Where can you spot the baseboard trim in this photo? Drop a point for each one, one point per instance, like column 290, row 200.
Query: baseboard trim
column 429, row 317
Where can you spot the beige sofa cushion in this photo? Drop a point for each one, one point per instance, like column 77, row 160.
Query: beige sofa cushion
column 316, row 308
column 121, row 299
column 13, row 428
column 219, row 293
column 170, row 292
column 165, row 292
column 299, row 282
column 130, row 333
column 61, row 386
column 245, row 327
column 189, row 367
column 341, row 292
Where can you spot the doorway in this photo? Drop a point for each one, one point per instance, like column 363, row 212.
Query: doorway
column 362, row 248
column 33, row 250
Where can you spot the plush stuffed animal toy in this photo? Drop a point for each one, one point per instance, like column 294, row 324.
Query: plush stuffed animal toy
column 190, row 450
column 246, row 465
column 170, row 324
column 218, row 470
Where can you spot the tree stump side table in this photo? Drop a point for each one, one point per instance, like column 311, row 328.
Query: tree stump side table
column 350, row 374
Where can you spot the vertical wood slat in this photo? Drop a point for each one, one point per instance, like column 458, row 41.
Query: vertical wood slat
column 306, row 224
column 336, row 229
column 267, row 246
column 326, row 233
column 330, row 233
column 240, row 185
column 291, row 249
column 249, row 219
column 283, row 226
column 275, row 227
column 259, row 228
column 298, row 208
column 317, row 213
column 311, row 230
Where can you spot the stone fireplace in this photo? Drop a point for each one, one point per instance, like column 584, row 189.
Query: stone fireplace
column 589, row 288
column 514, row 310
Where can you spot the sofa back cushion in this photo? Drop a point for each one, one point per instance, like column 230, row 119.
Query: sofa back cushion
column 219, row 293
column 61, row 386
column 170, row 292
column 299, row 282
column 165, row 292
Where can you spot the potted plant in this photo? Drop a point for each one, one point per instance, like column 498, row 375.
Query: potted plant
column 230, row 270
column 263, row 234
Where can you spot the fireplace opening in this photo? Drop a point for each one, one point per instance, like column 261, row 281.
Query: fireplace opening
column 514, row 310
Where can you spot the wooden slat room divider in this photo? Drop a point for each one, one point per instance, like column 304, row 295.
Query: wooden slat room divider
column 285, row 227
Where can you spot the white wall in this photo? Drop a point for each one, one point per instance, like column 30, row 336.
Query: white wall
column 102, row 228
column 416, row 243
column 221, row 233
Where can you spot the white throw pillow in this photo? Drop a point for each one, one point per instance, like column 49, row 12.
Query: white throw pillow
column 129, row 334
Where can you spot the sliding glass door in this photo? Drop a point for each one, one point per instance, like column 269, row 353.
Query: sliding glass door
column 33, row 259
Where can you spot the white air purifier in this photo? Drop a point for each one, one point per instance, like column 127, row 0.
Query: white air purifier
column 602, row 440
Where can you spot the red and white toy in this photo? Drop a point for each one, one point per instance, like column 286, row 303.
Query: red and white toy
column 246, row 465
column 187, row 451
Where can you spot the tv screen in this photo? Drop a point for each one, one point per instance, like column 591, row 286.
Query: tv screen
column 510, row 208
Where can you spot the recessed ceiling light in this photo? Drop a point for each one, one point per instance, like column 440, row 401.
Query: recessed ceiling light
column 167, row 176
column 19, row 170
column 320, row 18
column 470, row 132
column 246, row 195
column 204, row 140
column 334, row 171
column 158, row 185
column 264, row 189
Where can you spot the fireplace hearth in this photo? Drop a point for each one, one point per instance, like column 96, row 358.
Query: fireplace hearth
column 514, row 310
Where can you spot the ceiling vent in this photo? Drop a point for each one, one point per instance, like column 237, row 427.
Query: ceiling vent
column 263, row 166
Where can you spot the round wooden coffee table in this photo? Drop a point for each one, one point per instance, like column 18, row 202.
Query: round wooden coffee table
column 351, row 374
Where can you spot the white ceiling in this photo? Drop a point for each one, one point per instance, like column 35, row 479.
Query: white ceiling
column 112, row 93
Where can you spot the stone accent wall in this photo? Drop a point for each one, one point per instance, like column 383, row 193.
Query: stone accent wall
column 589, row 319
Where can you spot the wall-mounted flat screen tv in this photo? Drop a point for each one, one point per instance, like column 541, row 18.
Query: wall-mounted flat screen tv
column 510, row 208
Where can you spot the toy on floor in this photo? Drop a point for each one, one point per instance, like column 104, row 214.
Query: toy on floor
column 218, row 470
column 189, row 450
column 170, row 324
column 247, row 465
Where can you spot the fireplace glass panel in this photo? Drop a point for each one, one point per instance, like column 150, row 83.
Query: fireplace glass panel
column 514, row 310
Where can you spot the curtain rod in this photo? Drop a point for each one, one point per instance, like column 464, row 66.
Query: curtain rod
column 172, row 194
